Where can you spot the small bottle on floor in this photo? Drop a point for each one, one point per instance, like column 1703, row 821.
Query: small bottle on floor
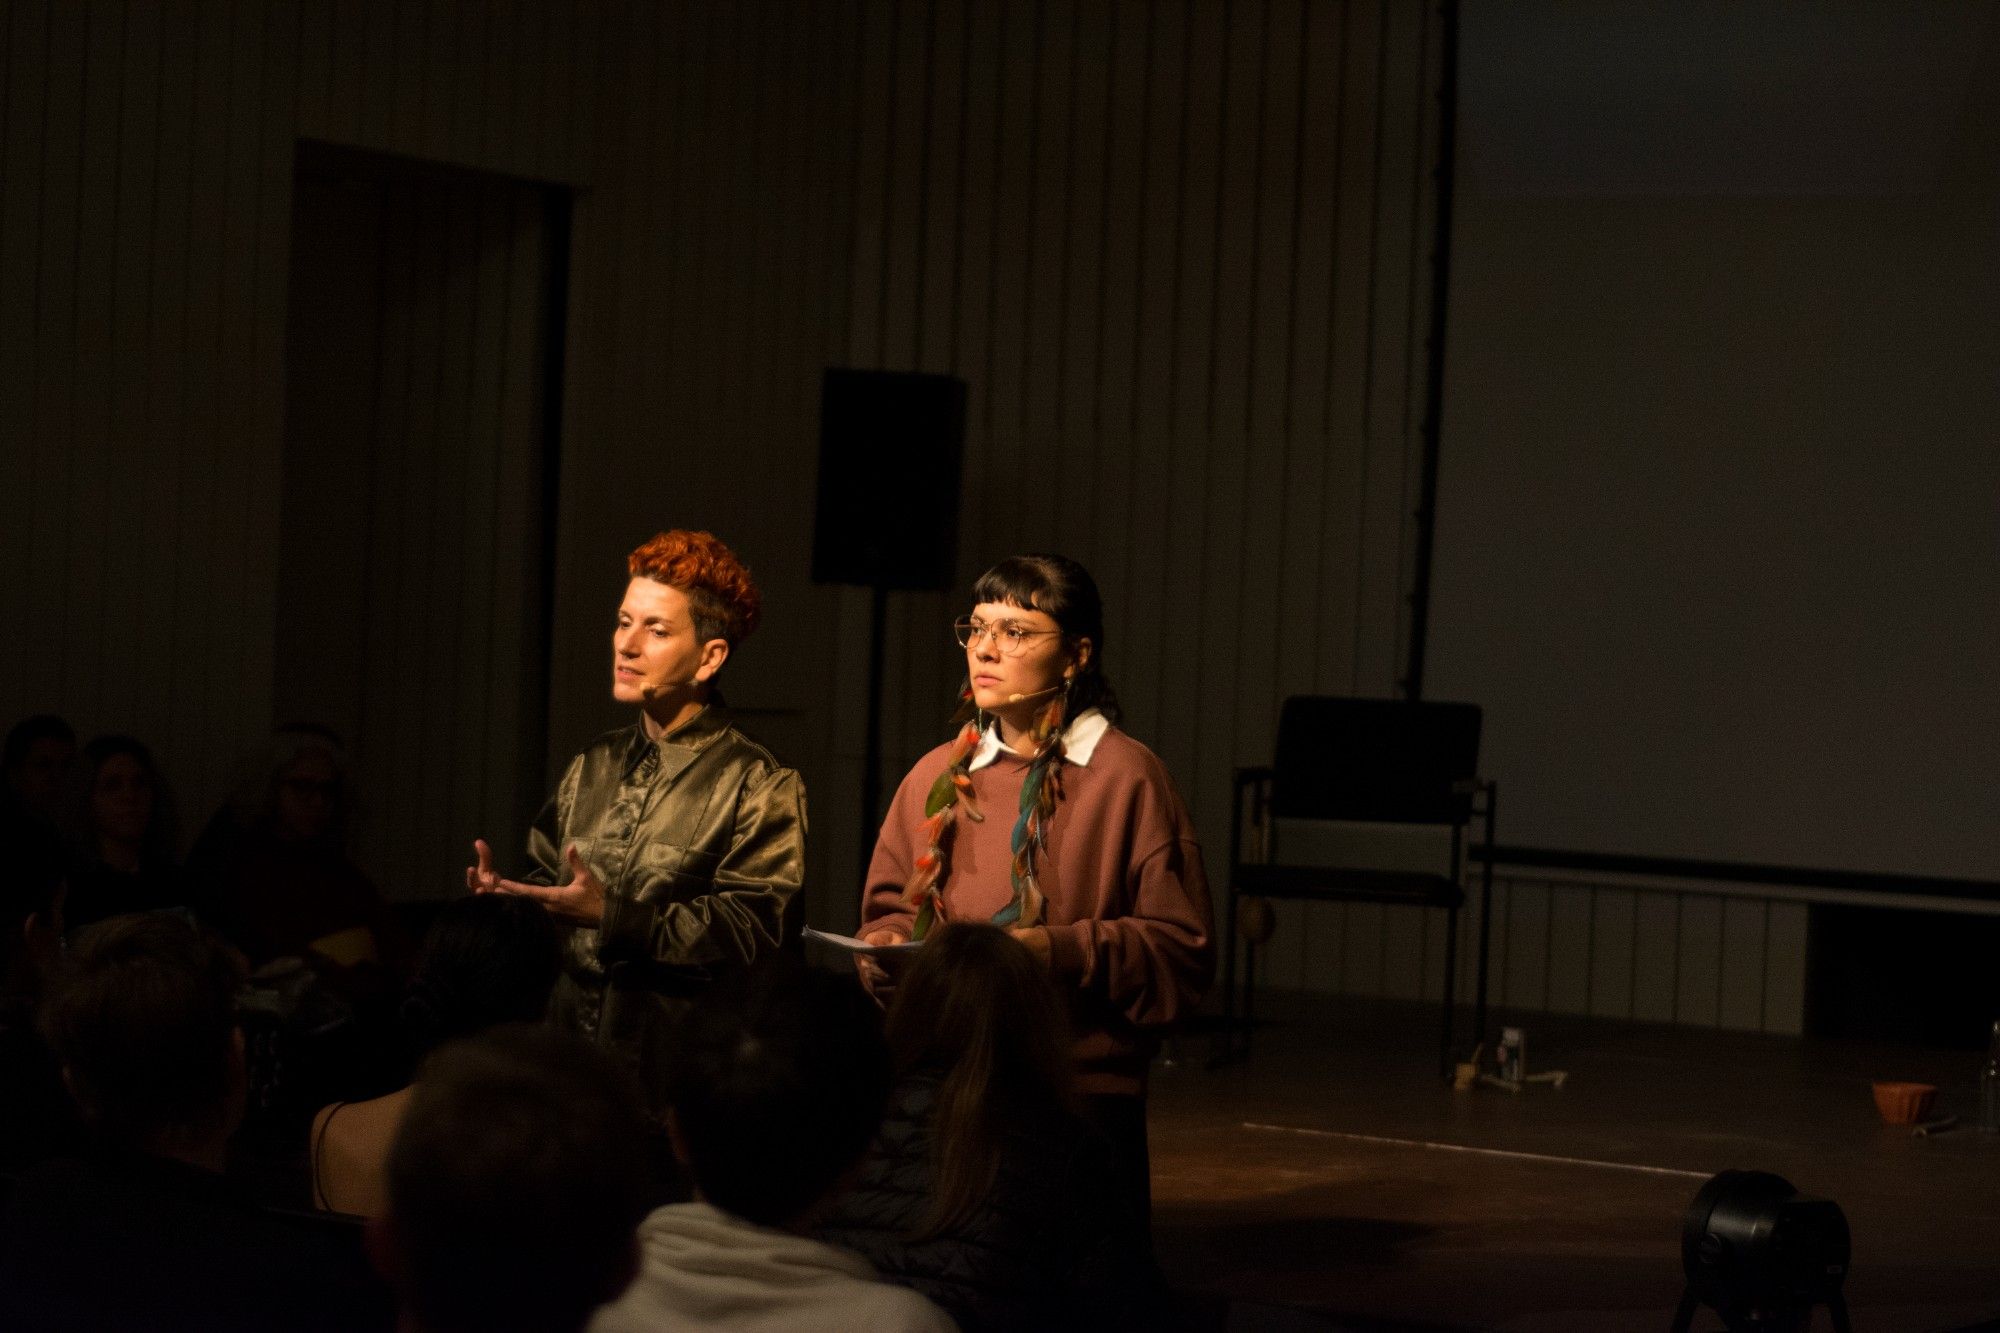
column 1511, row 1057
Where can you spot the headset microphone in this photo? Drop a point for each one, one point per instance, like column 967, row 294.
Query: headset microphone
column 652, row 692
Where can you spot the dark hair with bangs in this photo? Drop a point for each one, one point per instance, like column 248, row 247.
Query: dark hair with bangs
column 1063, row 590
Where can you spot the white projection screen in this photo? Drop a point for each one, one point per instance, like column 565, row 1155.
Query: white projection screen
column 1718, row 536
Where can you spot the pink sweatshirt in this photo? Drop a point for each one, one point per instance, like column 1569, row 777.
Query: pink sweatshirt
column 1130, row 927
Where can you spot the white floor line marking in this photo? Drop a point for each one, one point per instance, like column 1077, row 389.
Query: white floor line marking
column 1480, row 1152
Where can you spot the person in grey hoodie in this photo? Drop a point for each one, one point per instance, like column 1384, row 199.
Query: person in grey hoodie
column 774, row 1093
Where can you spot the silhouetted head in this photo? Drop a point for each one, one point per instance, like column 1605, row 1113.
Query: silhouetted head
column 776, row 1087
column 36, row 762
column 143, row 1022
column 123, row 799
column 488, row 959
column 516, row 1181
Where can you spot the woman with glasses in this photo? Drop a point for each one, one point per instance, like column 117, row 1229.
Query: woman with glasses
column 1042, row 817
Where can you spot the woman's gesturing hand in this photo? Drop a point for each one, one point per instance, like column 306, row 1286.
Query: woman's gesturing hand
column 480, row 877
column 580, row 901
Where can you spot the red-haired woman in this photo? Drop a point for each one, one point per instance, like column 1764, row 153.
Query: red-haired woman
column 674, row 848
column 1046, row 819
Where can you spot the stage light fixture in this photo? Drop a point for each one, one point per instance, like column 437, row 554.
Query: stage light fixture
column 1761, row 1256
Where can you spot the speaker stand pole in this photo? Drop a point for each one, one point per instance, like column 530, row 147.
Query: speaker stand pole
column 871, row 761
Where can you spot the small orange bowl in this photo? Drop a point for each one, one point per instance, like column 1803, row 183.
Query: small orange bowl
column 1905, row 1103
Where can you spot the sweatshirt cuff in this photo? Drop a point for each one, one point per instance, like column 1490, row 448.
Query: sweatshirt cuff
column 1068, row 953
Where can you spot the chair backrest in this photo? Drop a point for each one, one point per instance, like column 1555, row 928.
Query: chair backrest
column 1379, row 760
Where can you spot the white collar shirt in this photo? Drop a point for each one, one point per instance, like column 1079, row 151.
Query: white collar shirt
column 1080, row 740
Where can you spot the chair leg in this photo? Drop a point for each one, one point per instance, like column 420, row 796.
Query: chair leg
column 1229, row 1047
column 1229, row 967
column 1450, row 986
column 1485, row 915
column 1485, row 928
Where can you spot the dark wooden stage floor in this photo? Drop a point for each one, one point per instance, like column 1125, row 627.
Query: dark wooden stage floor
column 1326, row 1182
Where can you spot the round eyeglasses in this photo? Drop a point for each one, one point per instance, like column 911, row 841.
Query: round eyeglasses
column 1010, row 637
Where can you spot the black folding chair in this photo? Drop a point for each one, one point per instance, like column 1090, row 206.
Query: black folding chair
column 1361, row 761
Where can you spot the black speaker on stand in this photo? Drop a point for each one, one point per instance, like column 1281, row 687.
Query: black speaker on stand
column 891, row 451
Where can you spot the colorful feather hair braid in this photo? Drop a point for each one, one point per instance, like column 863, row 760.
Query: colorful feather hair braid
column 952, row 788
column 1040, row 791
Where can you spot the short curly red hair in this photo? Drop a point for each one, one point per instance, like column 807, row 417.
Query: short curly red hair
column 721, row 596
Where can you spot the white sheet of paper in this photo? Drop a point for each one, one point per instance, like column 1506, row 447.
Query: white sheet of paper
column 852, row 945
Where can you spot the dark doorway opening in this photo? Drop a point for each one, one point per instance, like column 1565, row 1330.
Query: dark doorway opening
column 423, row 390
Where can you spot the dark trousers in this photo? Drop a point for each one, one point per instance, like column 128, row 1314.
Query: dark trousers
column 1121, row 1122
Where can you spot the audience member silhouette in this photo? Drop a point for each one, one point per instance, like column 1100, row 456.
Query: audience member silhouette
column 515, row 1182
column 274, row 864
column 508, row 1182
column 124, row 854
column 36, row 1115
column 272, row 872
column 145, row 1231
column 37, row 1118
column 986, row 1190
column 775, row 1087
column 487, row 960
column 35, row 766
